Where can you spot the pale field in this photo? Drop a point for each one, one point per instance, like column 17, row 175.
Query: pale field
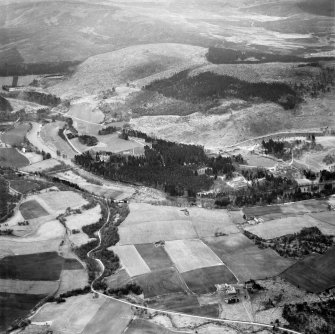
column 107, row 189
column 142, row 212
column 87, row 217
column 58, row 201
column 33, row 157
column 28, row 287
column 154, row 231
column 17, row 246
column 72, row 316
column 131, row 260
column 86, row 111
column 72, row 279
column 191, row 254
column 41, row 166
column 116, row 68
column 49, row 135
column 79, row 239
column 284, row 226
column 23, row 80
column 207, row 222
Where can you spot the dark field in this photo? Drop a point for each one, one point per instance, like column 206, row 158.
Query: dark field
column 160, row 282
column 139, row 326
column 26, row 186
column 72, row 264
column 118, row 280
column 245, row 259
column 203, row 280
column 315, row 273
column 15, row 136
column 14, row 306
column 32, row 267
column 155, row 257
column 32, row 209
column 262, row 210
column 10, row 157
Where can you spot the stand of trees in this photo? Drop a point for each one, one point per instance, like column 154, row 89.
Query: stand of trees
column 4, row 198
column 88, row 140
column 108, row 131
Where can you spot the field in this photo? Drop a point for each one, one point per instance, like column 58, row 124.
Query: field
column 245, row 259
column 139, row 326
column 131, row 260
column 191, row 254
column 118, row 280
column 85, row 314
column 15, row 136
column 42, row 166
column 72, row 279
column 314, row 273
column 10, row 157
column 14, row 306
column 86, row 110
column 154, row 223
column 28, row 287
column 25, row 186
column 289, row 225
column 49, row 134
column 32, row 267
column 203, row 280
column 160, row 282
column 32, row 209
column 155, row 257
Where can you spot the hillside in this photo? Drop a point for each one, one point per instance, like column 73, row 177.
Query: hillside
column 5, row 105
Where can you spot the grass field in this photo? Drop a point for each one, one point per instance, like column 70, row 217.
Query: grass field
column 10, row 157
column 315, row 273
column 131, row 260
column 15, row 136
column 58, row 201
column 72, row 279
column 32, row 209
column 118, row 280
column 72, row 316
column 284, row 226
column 25, row 186
column 42, row 166
column 245, row 259
column 112, row 317
column 87, row 217
column 32, row 267
column 203, row 280
column 191, row 254
column 155, row 257
column 160, row 282
column 14, row 306
column 140, row 326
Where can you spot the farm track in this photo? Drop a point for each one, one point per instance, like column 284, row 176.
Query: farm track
column 166, row 312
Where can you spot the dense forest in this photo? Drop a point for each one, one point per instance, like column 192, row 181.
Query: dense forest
column 311, row 318
column 308, row 240
column 5, row 105
column 7, row 69
column 166, row 165
column 4, row 196
column 213, row 87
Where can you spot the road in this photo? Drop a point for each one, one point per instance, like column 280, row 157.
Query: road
column 228, row 321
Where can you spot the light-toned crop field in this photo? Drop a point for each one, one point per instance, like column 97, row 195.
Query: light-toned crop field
column 23, row 246
column 87, row 217
column 84, row 314
column 155, row 231
column 284, row 226
column 72, row 279
column 131, row 260
column 142, row 212
column 59, row 201
column 209, row 222
column 191, row 254
column 28, row 287
column 42, row 165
